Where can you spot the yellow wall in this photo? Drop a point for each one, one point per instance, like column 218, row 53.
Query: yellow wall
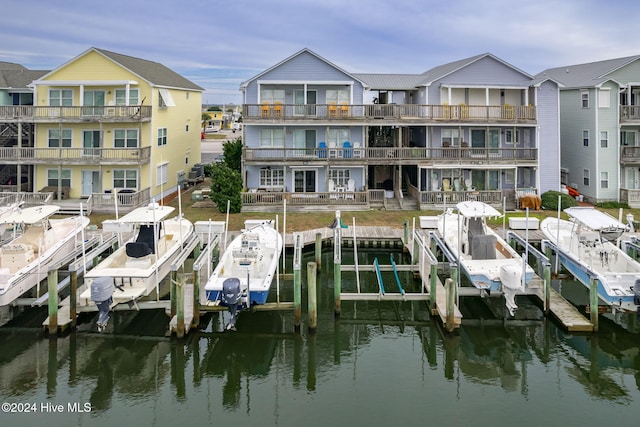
column 182, row 123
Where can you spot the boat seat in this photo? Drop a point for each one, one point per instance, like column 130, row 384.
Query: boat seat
column 137, row 249
column 484, row 247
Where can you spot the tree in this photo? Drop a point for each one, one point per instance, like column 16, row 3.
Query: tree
column 232, row 151
column 226, row 185
column 205, row 119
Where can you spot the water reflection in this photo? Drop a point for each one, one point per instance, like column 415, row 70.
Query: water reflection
column 266, row 370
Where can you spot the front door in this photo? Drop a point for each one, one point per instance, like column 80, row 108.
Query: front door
column 93, row 102
column 91, row 140
column 304, row 181
column 90, row 183
column 478, row 142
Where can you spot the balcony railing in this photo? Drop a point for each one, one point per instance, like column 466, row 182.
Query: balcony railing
column 630, row 154
column 64, row 155
column 305, row 199
column 396, row 112
column 451, row 155
column 31, row 113
column 630, row 113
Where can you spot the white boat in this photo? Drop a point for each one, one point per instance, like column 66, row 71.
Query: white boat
column 587, row 248
column 487, row 260
column 250, row 262
column 41, row 241
column 136, row 268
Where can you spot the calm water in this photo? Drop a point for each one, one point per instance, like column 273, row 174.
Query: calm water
column 380, row 364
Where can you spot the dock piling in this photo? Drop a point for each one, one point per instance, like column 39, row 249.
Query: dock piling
column 52, row 282
column 312, row 299
column 319, row 251
column 297, row 286
column 593, row 302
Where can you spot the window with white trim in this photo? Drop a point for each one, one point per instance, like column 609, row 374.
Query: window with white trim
column 585, row 138
column 604, row 139
column 162, row 136
column 59, row 138
column 125, row 138
column 125, row 178
column 585, row 176
column 337, row 136
column 161, row 173
column 337, row 96
column 340, row 176
column 271, row 138
column 584, row 98
column 604, row 179
column 604, row 98
column 60, row 97
column 63, row 174
column 271, row 177
column 451, row 137
column 511, row 136
column 121, row 97
column 165, row 99
column 272, row 95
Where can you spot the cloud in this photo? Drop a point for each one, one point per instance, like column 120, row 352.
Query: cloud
column 219, row 45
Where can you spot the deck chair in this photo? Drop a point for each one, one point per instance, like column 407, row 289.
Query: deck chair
column 446, row 184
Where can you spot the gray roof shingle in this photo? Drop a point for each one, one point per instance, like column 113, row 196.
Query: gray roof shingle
column 586, row 75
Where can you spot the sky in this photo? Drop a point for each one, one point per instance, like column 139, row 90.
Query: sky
column 219, row 44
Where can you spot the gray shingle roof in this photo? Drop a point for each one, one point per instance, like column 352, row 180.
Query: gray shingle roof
column 391, row 81
column 586, row 75
column 154, row 72
column 16, row 76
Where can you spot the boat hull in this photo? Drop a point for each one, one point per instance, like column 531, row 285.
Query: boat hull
column 255, row 275
column 587, row 258
column 12, row 286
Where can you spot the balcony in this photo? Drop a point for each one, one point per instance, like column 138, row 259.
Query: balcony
column 395, row 155
column 629, row 155
column 379, row 113
column 107, row 114
column 77, row 156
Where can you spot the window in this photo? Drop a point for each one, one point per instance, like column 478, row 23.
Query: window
column 161, row 173
column 60, row 97
column 64, row 175
column 340, row 176
column 59, row 138
column 511, row 136
column 451, row 137
column 337, row 136
column 271, row 138
column 628, row 138
column 585, row 177
column 585, row 138
column 165, row 99
column 604, row 179
column 604, row 98
column 125, row 138
column 121, row 97
column 337, row 96
column 271, row 177
column 604, row 139
column 584, row 96
column 509, row 176
column 272, row 95
column 162, row 136
column 125, row 178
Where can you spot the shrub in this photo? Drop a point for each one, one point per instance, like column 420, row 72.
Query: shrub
column 550, row 200
column 612, row 205
column 226, row 184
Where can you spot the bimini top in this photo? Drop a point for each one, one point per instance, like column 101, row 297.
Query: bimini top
column 474, row 209
column 30, row 215
column 148, row 214
column 593, row 218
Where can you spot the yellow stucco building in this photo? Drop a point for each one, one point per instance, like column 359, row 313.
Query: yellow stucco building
column 106, row 122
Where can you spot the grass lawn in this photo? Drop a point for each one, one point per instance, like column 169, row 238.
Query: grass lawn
column 310, row 220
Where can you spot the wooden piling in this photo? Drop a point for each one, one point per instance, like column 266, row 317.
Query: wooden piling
column 179, row 292
column 196, row 297
column 547, row 288
column 73, row 298
column 433, row 279
column 593, row 301
column 312, row 299
column 297, row 286
column 450, row 296
column 319, row 251
column 52, row 282
column 172, row 292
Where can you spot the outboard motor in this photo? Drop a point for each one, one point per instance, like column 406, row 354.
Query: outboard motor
column 231, row 296
column 102, row 289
